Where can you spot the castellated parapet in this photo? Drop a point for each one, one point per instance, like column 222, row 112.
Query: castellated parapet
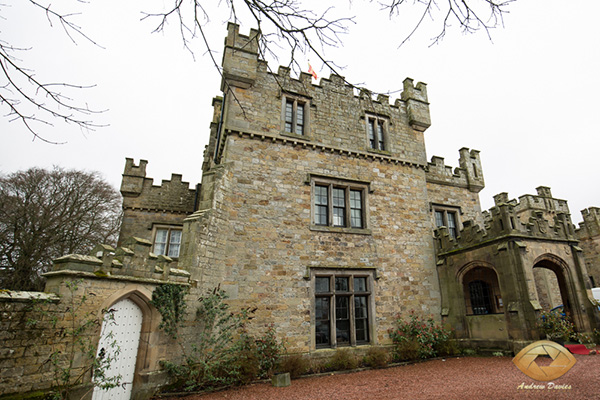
column 336, row 116
column 145, row 205
column 588, row 235
column 133, row 260
column 139, row 192
column 591, row 222
column 508, row 219
column 469, row 175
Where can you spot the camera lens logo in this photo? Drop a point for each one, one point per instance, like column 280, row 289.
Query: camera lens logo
column 562, row 360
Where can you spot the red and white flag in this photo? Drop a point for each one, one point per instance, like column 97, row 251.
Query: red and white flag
column 312, row 71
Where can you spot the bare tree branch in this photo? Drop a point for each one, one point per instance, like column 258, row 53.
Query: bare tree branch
column 287, row 25
column 469, row 14
column 36, row 103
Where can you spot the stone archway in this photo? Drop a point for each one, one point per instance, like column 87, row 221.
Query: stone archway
column 484, row 306
column 134, row 301
column 553, row 283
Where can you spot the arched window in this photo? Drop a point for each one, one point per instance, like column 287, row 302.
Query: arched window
column 480, row 297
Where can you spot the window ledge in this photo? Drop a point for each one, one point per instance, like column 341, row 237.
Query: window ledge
column 339, row 229
column 330, row 349
column 295, row 136
column 380, row 152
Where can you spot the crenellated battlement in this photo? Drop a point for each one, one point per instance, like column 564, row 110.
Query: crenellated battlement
column 503, row 221
column 334, row 112
column 590, row 226
column 139, row 192
column 134, row 260
column 529, row 203
column 468, row 175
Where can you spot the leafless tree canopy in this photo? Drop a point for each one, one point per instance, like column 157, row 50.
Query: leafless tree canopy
column 47, row 214
column 286, row 27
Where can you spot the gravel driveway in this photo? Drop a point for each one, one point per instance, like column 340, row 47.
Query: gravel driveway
column 452, row 378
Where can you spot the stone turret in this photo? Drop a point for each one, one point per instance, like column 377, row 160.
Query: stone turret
column 417, row 105
column 240, row 59
column 133, row 177
column 471, row 163
column 591, row 221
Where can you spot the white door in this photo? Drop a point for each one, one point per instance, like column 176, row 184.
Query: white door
column 125, row 330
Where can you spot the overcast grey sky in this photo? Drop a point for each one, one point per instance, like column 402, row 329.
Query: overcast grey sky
column 528, row 100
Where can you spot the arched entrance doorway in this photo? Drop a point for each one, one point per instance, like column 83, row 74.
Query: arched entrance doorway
column 123, row 330
column 552, row 284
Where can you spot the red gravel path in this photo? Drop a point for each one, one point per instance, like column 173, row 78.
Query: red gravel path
column 453, row 378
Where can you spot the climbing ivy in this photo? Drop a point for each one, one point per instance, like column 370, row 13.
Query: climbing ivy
column 169, row 301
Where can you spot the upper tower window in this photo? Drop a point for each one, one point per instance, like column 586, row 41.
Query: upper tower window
column 376, row 133
column 294, row 116
column 167, row 241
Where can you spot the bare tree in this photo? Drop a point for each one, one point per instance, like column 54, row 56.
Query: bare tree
column 46, row 214
column 37, row 103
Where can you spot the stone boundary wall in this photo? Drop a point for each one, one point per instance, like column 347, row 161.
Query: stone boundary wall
column 34, row 325
column 25, row 345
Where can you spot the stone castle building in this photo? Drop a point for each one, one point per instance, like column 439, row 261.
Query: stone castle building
column 318, row 206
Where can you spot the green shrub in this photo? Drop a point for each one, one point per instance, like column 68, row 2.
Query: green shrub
column 596, row 335
column 377, row 357
column 268, row 351
column 406, row 350
column 447, row 348
column 469, row 352
column 584, row 339
column 295, row 364
column 244, row 366
column 222, row 352
column 556, row 327
column 427, row 335
column 342, row 360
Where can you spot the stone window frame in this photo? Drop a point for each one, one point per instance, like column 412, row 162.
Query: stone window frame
column 295, row 100
column 348, row 186
column 384, row 122
column 489, row 276
column 332, row 294
column 169, row 228
column 445, row 210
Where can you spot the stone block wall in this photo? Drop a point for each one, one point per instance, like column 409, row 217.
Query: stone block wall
column 258, row 244
column 27, row 338
column 458, row 187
